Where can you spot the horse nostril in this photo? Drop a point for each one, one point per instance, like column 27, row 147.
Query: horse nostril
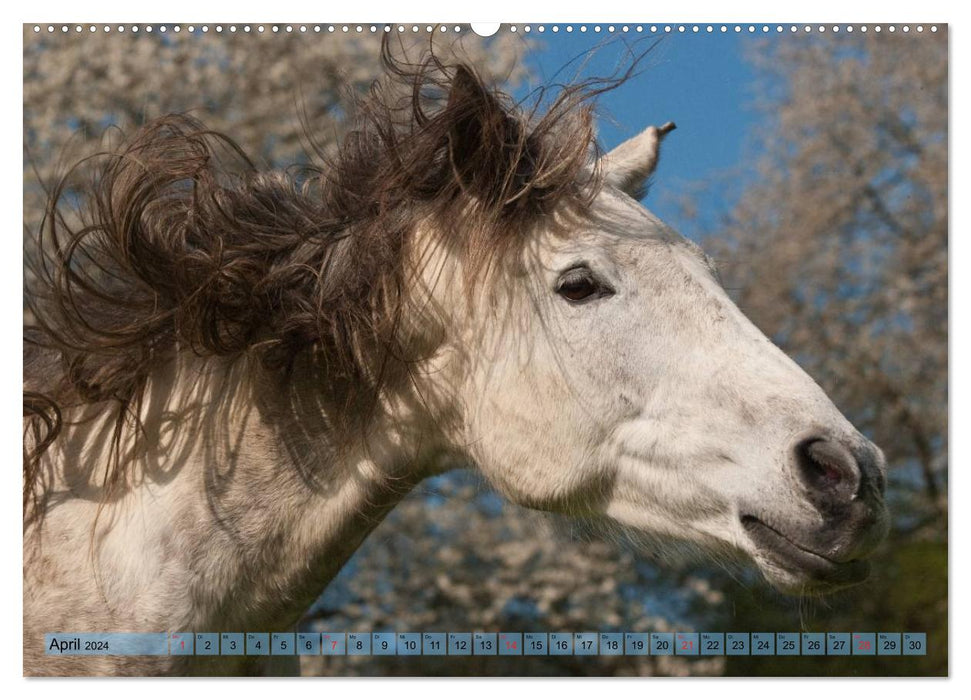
column 829, row 469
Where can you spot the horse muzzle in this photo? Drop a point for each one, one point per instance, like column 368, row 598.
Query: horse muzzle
column 843, row 482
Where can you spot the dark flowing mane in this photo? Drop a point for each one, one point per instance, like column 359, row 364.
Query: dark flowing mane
column 184, row 245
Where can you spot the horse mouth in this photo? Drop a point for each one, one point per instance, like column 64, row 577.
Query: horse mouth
column 804, row 570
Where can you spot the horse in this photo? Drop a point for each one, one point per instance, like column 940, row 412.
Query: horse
column 232, row 374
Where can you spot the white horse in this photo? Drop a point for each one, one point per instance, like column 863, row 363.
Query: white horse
column 524, row 314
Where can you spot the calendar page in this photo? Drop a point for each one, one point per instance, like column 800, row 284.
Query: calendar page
column 525, row 349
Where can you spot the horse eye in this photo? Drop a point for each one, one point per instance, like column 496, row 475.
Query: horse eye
column 579, row 285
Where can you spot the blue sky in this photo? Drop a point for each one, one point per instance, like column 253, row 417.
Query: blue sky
column 702, row 82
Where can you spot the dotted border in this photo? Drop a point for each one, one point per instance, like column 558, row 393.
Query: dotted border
column 512, row 28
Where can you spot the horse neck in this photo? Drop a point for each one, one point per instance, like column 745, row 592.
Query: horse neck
column 242, row 503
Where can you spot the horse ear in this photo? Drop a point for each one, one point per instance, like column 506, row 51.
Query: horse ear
column 628, row 166
column 484, row 140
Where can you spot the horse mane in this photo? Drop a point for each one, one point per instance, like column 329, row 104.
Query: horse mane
column 181, row 244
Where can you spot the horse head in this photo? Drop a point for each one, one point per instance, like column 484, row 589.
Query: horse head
column 601, row 370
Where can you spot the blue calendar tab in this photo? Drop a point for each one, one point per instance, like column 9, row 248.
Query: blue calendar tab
column 737, row 643
column 308, row 643
column 333, row 643
column 231, row 644
column 888, row 644
column 838, row 643
column 106, row 644
column 510, row 644
column 585, row 644
column 434, row 644
column 787, row 644
column 358, row 644
column 763, row 644
column 637, row 644
column 915, row 644
column 561, row 644
column 813, row 644
column 207, row 644
column 864, row 644
column 283, row 643
column 383, row 644
column 662, row 643
column 712, row 643
column 611, row 643
column 459, row 644
column 257, row 644
column 686, row 643
column 409, row 644
column 180, row 644
column 485, row 644
column 536, row 644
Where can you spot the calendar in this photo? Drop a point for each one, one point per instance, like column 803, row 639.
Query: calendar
column 489, row 644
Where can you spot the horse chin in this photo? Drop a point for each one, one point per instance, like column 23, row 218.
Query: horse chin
column 796, row 569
